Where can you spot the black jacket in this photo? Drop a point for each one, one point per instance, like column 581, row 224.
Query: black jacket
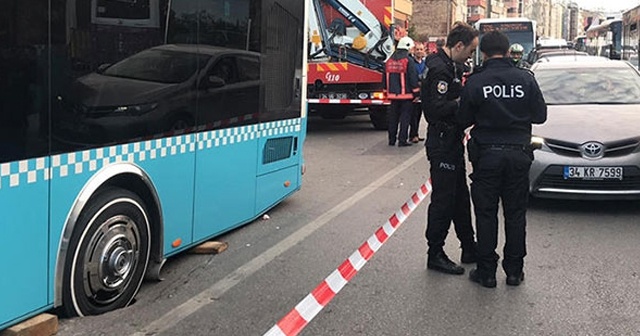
column 439, row 93
column 502, row 101
column 441, row 88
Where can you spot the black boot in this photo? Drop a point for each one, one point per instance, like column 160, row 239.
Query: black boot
column 483, row 279
column 439, row 261
column 515, row 279
column 469, row 253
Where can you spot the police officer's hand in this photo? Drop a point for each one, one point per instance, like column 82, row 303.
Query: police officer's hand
column 455, row 89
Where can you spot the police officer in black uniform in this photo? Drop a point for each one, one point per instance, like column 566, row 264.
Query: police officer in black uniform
column 501, row 101
column 450, row 200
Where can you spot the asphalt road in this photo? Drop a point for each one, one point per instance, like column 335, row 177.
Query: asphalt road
column 582, row 269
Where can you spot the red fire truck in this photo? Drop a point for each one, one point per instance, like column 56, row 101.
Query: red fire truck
column 350, row 40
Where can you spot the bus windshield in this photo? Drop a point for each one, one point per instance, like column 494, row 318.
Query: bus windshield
column 518, row 31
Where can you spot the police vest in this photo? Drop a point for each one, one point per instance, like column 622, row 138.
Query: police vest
column 399, row 69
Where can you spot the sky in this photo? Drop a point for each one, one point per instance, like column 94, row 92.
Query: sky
column 608, row 5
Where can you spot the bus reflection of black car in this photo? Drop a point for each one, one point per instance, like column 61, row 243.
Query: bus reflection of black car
column 159, row 90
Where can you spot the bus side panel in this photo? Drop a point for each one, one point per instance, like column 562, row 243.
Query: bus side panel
column 274, row 187
column 278, row 161
column 217, row 211
column 23, row 239
column 172, row 175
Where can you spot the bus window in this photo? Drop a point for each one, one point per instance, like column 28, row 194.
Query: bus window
column 23, row 83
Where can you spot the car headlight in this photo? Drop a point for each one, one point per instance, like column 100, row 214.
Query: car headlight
column 136, row 109
column 537, row 142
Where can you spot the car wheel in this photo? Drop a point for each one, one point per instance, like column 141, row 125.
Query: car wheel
column 378, row 116
column 334, row 112
column 108, row 254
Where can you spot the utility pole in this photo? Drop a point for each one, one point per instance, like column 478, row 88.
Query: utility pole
column 448, row 15
column 489, row 8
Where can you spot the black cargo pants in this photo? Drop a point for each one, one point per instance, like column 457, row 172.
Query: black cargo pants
column 400, row 112
column 501, row 172
column 450, row 199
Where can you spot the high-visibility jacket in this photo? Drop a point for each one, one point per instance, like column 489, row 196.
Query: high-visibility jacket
column 400, row 77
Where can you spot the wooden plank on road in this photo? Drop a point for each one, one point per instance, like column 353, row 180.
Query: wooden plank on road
column 41, row 325
column 210, row 247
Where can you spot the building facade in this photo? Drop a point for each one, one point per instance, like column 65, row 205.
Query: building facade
column 554, row 18
column 402, row 12
column 435, row 17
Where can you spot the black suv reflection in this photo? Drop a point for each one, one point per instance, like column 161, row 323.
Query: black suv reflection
column 169, row 88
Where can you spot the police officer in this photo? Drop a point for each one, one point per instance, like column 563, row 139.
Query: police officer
column 400, row 80
column 501, row 101
column 450, row 196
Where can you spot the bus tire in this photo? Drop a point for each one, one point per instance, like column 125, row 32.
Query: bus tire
column 108, row 254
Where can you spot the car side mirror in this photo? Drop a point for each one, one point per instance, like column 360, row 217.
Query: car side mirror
column 103, row 67
column 213, row 82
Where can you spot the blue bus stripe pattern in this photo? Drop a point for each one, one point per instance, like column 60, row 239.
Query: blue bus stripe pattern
column 17, row 173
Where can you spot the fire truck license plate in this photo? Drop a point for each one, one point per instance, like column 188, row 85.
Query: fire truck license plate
column 593, row 173
column 334, row 96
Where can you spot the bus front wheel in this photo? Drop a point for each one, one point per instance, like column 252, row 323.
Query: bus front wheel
column 108, row 254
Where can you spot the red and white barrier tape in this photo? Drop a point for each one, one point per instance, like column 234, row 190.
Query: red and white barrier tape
column 298, row 318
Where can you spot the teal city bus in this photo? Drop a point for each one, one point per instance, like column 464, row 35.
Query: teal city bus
column 131, row 131
column 518, row 30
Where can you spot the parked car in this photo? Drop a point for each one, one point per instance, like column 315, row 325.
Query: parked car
column 571, row 57
column 167, row 88
column 551, row 43
column 633, row 59
column 590, row 144
column 536, row 54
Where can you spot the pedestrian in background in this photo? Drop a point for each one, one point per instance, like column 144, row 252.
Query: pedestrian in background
column 450, row 199
column 419, row 57
column 400, row 80
column 501, row 101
